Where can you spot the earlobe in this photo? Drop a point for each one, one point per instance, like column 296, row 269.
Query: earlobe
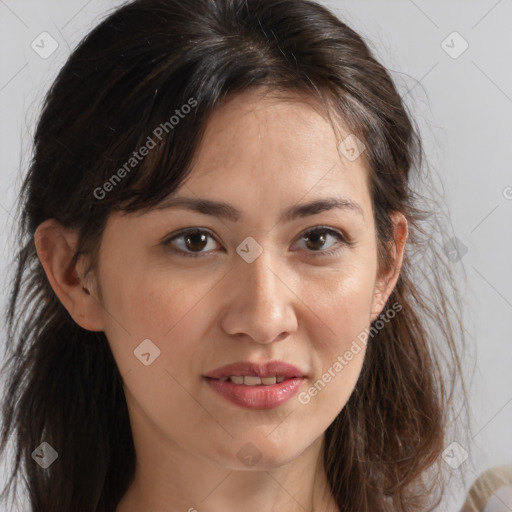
column 386, row 282
column 56, row 246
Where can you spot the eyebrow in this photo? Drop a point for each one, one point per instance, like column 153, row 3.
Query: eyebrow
column 226, row 211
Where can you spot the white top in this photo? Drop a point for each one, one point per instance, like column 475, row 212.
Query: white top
column 500, row 501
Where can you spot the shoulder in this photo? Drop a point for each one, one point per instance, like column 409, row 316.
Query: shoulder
column 500, row 501
column 491, row 491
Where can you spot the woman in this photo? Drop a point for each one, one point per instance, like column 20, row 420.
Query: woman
column 223, row 312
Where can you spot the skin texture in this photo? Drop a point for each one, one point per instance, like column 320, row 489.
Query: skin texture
column 292, row 303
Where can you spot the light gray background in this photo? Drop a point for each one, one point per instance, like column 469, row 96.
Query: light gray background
column 463, row 106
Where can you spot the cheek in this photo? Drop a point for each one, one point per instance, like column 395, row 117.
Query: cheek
column 342, row 304
column 161, row 315
column 337, row 358
column 145, row 304
column 156, row 330
column 342, row 299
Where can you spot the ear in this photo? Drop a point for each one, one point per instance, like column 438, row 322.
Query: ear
column 386, row 281
column 56, row 246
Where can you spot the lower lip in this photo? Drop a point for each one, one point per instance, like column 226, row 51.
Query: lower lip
column 257, row 397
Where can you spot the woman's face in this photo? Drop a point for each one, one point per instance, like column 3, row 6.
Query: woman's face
column 258, row 290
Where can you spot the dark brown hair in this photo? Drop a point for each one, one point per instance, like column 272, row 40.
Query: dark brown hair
column 125, row 78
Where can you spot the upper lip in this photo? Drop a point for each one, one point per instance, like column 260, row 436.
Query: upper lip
column 268, row 369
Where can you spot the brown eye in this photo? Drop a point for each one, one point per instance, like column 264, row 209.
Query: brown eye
column 317, row 238
column 193, row 242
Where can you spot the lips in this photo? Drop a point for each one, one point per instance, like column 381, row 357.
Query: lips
column 254, row 385
column 251, row 369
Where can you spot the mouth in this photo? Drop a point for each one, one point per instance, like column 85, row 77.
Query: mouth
column 256, row 386
column 254, row 380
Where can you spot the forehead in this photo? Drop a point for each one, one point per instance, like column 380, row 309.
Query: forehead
column 275, row 147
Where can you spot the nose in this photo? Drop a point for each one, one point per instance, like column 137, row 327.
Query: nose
column 260, row 307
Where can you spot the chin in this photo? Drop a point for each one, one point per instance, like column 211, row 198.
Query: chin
column 260, row 454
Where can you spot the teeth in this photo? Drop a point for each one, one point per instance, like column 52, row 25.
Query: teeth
column 252, row 380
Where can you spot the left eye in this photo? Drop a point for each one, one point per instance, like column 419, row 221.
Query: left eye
column 196, row 240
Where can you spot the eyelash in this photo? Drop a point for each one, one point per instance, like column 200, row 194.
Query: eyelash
column 343, row 241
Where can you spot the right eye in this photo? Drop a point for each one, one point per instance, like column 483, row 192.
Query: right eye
column 195, row 238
